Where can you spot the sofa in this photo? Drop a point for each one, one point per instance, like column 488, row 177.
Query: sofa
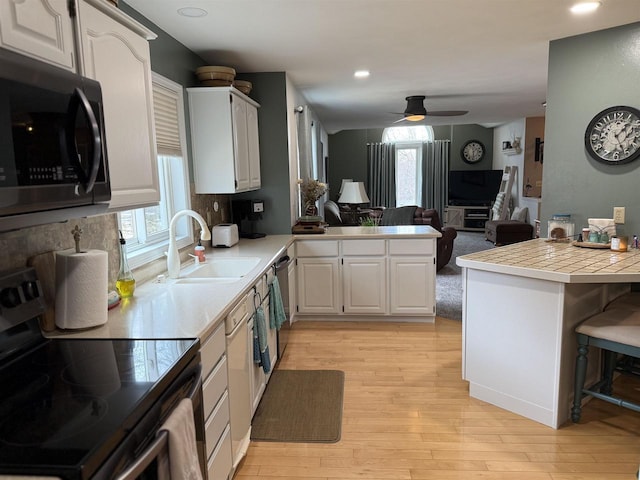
column 409, row 215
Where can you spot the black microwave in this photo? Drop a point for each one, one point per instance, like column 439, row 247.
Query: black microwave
column 53, row 156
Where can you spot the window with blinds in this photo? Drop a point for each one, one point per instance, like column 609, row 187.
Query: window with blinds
column 147, row 229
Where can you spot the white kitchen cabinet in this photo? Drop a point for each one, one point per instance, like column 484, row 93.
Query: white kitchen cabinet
column 42, row 29
column 215, row 399
column 318, row 285
column 364, row 276
column 393, row 277
column 412, row 277
column 318, row 277
column 224, row 138
column 364, row 285
column 115, row 51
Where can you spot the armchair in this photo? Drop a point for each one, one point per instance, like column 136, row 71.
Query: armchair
column 445, row 243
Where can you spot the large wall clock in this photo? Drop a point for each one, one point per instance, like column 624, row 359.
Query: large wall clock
column 613, row 136
column 472, row 151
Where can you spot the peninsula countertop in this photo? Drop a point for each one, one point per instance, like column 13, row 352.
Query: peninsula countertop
column 559, row 262
column 399, row 231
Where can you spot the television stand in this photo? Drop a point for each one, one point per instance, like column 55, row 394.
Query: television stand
column 467, row 217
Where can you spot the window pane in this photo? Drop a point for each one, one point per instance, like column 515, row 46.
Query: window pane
column 155, row 220
column 406, row 181
column 127, row 224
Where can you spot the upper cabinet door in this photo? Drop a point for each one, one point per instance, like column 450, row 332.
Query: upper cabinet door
column 224, row 140
column 115, row 51
column 240, row 146
column 41, row 29
column 253, row 146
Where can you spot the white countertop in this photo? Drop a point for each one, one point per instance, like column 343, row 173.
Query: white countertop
column 174, row 310
column 190, row 310
column 559, row 262
column 399, row 231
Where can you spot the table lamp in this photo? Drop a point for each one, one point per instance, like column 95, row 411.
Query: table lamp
column 353, row 193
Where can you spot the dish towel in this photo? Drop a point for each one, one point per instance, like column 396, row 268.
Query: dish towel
column 181, row 463
column 276, row 308
column 260, row 334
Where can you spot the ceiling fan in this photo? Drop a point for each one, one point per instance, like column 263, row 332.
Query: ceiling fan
column 415, row 110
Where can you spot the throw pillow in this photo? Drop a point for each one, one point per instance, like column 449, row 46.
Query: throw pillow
column 496, row 210
column 520, row 214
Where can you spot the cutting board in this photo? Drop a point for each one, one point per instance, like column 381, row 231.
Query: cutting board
column 45, row 265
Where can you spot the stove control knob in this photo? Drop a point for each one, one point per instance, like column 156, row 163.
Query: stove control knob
column 30, row 289
column 10, row 297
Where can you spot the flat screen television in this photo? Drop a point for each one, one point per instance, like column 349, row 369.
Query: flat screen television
column 474, row 187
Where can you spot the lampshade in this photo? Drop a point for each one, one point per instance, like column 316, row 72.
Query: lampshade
column 353, row 192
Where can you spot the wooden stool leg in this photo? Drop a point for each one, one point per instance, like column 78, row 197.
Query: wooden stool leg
column 607, row 374
column 581, row 373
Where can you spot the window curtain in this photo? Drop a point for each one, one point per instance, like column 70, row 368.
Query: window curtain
column 435, row 174
column 381, row 166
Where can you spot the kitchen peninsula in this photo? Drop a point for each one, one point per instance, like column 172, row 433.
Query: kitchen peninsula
column 521, row 303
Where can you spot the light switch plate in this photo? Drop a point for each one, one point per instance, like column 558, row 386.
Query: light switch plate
column 618, row 215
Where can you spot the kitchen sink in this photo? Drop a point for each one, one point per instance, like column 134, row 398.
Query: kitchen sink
column 220, row 269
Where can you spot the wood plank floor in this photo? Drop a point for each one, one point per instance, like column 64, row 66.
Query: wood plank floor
column 407, row 415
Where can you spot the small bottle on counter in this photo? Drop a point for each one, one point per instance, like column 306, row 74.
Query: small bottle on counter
column 125, row 284
column 635, row 242
column 199, row 251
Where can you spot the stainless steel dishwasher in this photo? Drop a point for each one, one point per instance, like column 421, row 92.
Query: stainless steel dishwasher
column 282, row 274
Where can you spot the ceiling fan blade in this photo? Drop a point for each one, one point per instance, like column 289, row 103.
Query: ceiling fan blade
column 401, row 120
column 446, row 113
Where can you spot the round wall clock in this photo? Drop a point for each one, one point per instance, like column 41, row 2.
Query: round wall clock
column 613, row 136
column 472, row 151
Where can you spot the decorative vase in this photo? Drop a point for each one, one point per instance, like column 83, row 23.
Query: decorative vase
column 310, row 209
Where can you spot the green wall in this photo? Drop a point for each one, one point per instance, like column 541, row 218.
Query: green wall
column 587, row 74
column 269, row 90
column 348, row 157
column 348, row 151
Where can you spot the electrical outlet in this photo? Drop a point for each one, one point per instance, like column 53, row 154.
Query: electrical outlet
column 618, row 214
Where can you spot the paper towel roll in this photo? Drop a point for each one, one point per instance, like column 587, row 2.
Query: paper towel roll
column 81, row 288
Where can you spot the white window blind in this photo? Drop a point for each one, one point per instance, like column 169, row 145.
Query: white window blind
column 166, row 111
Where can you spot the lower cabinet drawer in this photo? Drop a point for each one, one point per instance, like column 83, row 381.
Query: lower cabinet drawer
column 220, row 462
column 212, row 350
column 214, row 386
column 412, row 246
column 216, row 423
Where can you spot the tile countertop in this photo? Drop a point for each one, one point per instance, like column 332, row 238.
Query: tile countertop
column 175, row 310
column 559, row 262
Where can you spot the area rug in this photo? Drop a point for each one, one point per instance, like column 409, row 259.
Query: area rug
column 300, row 406
column 449, row 278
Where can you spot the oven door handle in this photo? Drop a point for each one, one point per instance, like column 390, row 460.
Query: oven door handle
column 160, row 442
column 148, row 456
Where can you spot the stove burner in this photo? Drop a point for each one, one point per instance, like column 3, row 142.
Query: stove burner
column 53, row 419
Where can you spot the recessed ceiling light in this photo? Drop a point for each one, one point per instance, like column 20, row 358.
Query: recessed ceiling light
column 192, row 12
column 585, row 7
column 361, row 74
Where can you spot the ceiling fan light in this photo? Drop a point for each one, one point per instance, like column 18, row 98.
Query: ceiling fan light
column 414, row 118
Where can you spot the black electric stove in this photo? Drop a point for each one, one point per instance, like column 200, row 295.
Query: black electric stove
column 68, row 405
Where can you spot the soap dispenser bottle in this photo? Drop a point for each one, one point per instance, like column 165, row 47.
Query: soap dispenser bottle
column 199, row 252
column 125, row 284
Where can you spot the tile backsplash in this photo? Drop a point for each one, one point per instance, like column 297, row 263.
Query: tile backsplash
column 99, row 232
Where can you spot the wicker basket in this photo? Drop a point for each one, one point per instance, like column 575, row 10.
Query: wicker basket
column 243, row 86
column 216, row 73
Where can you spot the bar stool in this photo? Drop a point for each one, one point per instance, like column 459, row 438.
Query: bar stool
column 616, row 331
column 629, row 300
